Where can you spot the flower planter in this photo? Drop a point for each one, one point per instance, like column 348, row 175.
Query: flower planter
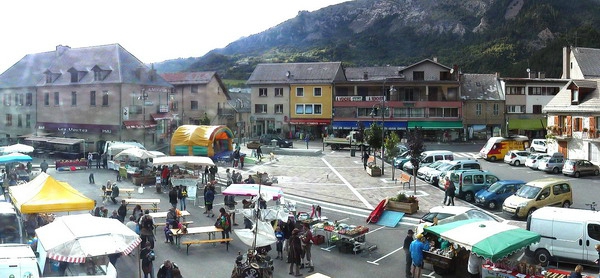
column 409, row 208
column 374, row 172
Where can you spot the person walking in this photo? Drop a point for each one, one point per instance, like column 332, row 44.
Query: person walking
column 209, row 198
column 122, row 211
column 259, row 153
column 166, row 270
column 450, row 192
column 90, row 159
column 44, row 166
column 114, row 194
column 416, row 253
column 407, row 241
column 307, row 242
column 91, row 178
column 295, row 253
column 173, row 196
column 225, row 223
column 213, row 172
column 147, row 229
column 279, row 243
column 365, row 159
column 147, row 256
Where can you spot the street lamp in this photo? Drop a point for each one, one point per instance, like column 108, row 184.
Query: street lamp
column 383, row 111
column 143, row 97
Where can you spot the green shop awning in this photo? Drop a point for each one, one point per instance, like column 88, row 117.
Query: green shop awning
column 436, row 124
column 527, row 124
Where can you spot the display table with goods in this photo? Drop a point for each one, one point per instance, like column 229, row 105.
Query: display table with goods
column 341, row 235
column 71, row 165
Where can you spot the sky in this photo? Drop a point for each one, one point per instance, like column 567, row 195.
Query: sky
column 152, row 30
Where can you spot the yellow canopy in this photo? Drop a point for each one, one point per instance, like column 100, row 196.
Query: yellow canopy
column 45, row 194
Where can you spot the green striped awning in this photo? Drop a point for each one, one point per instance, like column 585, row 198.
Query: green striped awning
column 436, row 124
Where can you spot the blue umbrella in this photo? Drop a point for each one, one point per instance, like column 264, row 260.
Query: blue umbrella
column 14, row 157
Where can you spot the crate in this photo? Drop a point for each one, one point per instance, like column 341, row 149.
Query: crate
column 318, row 239
column 345, row 247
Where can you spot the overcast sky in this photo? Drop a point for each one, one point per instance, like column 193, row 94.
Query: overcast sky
column 151, row 30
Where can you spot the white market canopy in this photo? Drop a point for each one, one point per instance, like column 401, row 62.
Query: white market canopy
column 267, row 192
column 134, row 153
column 73, row 238
column 18, row 148
column 488, row 239
column 181, row 160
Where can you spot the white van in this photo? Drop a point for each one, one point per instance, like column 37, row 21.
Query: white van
column 567, row 235
column 11, row 226
column 428, row 157
column 18, row 260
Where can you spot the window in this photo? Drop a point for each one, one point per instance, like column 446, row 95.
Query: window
column 92, row 98
column 515, row 109
column 513, row 90
column 262, row 92
column 317, row 92
column 28, row 120
column 19, row 120
column 73, row 98
column 100, row 74
column 410, row 94
column 537, row 109
column 19, row 99
column 497, row 109
column 194, row 105
column 97, row 75
column 105, row 98
column 442, row 112
column 318, row 110
column 308, row 109
column 543, row 91
column 577, row 124
column 47, row 99
column 299, row 108
column 28, row 99
column 260, row 108
column 56, row 98
column 194, row 89
column 8, row 121
column 299, row 92
column 278, row 92
column 6, row 99
column 278, row 108
column 478, row 108
column 418, row 75
column 409, row 113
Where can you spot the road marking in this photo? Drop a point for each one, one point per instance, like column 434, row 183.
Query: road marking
column 331, row 207
column 360, row 197
column 375, row 262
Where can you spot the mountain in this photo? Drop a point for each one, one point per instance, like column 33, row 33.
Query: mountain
column 481, row 36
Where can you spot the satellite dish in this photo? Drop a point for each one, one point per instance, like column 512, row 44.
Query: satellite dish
column 528, row 70
column 287, row 74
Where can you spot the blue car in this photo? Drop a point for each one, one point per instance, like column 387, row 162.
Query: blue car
column 493, row 196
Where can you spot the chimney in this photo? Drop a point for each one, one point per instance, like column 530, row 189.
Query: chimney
column 435, row 59
column 60, row 49
column 541, row 75
column 566, row 74
column 366, row 75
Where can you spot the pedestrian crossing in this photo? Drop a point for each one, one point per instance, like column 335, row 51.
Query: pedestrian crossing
column 469, row 155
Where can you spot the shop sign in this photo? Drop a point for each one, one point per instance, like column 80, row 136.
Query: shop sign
column 348, row 98
column 163, row 108
column 375, row 98
column 70, row 129
column 157, row 89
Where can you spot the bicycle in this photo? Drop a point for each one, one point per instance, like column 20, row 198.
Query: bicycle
column 592, row 206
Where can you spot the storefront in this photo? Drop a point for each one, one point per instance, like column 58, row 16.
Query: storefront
column 532, row 128
column 439, row 131
column 316, row 128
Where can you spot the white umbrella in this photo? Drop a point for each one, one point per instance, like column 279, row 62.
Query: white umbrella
column 136, row 153
column 73, row 238
column 18, row 148
column 264, row 234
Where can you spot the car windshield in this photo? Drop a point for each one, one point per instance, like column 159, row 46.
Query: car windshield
column 495, row 186
column 444, row 167
column 435, row 164
column 9, row 228
column 528, row 191
column 404, row 155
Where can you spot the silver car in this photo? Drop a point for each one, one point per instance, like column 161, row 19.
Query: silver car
column 553, row 164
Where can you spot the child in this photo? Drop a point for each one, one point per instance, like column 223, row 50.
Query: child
column 168, row 234
column 279, row 244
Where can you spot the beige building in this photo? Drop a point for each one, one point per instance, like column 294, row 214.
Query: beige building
column 99, row 93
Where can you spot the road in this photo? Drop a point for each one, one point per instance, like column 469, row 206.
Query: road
column 336, row 181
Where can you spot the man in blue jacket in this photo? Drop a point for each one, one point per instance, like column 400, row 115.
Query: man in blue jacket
column 416, row 253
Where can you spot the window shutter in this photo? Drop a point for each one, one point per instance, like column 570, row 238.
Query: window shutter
column 569, row 127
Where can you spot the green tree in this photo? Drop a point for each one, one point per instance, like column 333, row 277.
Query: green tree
column 374, row 138
column 415, row 145
column 205, row 120
column 390, row 145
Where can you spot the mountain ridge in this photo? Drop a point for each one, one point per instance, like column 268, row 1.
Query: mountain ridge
column 481, row 36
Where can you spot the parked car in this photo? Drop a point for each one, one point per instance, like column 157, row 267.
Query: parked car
column 422, row 172
column 461, row 164
column 536, row 194
column 282, row 143
column 428, row 157
column 538, row 145
column 439, row 213
column 469, row 182
column 516, row 157
column 401, row 159
column 553, row 164
column 533, row 160
column 578, row 167
column 493, row 196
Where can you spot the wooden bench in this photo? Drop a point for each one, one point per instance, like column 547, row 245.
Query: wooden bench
column 184, row 223
column 405, row 179
column 188, row 243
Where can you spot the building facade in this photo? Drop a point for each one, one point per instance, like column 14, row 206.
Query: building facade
column 483, row 107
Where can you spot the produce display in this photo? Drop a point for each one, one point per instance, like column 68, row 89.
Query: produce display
column 341, row 228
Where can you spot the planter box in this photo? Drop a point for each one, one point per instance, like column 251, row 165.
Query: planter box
column 374, row 172
column 409, row 208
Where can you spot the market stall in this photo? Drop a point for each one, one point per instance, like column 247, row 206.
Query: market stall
column 81, row 244
column 44, row 194
column 135, row 164
column 188, row 174
column 491, row 240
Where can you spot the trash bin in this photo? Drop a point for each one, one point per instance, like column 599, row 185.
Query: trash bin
column 274, row 143
column 352, row 152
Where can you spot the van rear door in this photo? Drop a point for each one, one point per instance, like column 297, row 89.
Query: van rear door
column 569, row 240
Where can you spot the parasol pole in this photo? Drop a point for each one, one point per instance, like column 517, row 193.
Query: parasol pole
column 257, row 212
